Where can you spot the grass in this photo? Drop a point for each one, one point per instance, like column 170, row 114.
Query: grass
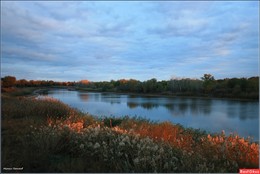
column 22, row 92
column 45, row 135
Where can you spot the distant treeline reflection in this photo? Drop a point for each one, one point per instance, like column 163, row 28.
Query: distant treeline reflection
column 176, row 109
column 176, row 106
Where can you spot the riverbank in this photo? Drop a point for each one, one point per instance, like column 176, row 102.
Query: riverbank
column 24, row 92
column 169, row 95
column 45, row 135
column 34, row 91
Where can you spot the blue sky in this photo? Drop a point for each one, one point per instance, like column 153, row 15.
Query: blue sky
column 70, row 41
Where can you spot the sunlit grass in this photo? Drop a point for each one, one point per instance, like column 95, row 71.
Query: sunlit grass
column 45, row 135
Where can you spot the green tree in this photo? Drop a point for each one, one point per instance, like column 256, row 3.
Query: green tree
column 207, row 78
column 208, row 83
column 151, row 85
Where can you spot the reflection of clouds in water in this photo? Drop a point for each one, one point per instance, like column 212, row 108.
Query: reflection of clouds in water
column 213, row 124
column 224, row 121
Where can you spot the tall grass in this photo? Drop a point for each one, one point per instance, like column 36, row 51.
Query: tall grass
column 217, row 149
column 18, row 91
column 45, row 135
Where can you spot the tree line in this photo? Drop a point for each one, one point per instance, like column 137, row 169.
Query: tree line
column 206, row 86
column 10, row 81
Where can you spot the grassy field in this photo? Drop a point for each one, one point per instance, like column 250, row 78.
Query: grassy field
column 45, row 135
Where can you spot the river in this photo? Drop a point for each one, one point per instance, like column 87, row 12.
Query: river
column 212, row 115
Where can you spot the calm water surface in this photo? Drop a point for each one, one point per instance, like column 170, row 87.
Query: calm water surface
column 213, row 115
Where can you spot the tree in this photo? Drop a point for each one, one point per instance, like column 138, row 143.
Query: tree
column 21, row 83
column 8, row 81
column 207, row 77
column 208, row 82
column 84, row 82
column 151, row 85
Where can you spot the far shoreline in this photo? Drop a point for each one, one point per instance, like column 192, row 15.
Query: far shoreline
column 44, row 90
column 159, row 95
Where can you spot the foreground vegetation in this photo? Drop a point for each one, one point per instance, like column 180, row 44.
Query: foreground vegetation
column 45, row 135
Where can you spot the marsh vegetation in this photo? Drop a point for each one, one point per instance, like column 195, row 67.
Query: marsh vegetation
column 45, row 135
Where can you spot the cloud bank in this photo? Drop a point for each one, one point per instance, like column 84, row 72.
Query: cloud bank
column 70, row 41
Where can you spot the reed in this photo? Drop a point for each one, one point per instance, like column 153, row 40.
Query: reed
column 45, row 135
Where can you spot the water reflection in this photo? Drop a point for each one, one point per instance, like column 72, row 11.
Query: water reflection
column 246, row 110
column 183, row 107
column 169, row 106
column 83, row 96
column 146, row 105
column 110, row 95
column 110, row 98
column 132, row 105
column 175, row 109
column 233, row 116
column 174, row 106
column 232, row 111
column 194, row 107
column 206, row 105
column 96, row 96
column 149, row 105
column 243, row 110
column 199, row 106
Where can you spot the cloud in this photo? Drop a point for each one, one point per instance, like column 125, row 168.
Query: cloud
column 28, row 54
column 67, row 10
column 179, row 19
column 142, row 40
column 183, row 26
column 114, row 29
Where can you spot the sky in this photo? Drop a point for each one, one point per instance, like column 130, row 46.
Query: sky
column 105, row 40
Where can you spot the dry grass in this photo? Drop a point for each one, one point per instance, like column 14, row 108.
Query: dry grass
column 234, row 150
column 48, row 136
